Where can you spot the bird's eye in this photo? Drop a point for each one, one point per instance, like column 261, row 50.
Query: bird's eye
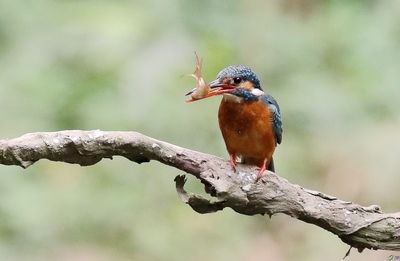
column 237, row 80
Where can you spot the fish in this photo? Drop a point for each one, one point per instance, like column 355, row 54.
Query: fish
column 202, row 89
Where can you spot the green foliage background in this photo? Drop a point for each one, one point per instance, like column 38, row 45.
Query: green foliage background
column 334, row 67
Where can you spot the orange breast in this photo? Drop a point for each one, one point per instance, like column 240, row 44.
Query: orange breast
column 247, row 129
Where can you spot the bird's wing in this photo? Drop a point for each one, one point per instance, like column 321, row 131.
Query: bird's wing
column 276, row 116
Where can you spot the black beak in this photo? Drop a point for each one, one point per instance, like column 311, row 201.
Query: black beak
column 218, row 88
column 216, row 84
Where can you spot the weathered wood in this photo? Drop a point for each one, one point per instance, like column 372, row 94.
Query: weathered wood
column 360, row 227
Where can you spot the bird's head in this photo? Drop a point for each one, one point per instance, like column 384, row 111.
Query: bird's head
column 236, row 80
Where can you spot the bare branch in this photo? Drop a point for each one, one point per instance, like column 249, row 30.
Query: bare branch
column 360, row 227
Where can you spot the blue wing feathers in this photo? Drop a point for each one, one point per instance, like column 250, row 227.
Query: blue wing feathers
column 276, row 116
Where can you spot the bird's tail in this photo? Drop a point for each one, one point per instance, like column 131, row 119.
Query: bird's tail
column 271, row 166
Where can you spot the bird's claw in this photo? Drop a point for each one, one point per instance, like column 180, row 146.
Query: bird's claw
column 262, row 170
column 233, row 162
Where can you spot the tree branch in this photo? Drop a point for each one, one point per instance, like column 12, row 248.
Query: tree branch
column 360, row 227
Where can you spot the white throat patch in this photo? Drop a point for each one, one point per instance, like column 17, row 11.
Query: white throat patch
column 257, row 92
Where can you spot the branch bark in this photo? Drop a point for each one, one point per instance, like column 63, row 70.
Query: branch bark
column 358, row 226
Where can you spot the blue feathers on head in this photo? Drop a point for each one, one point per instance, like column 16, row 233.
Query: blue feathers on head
column 240, row 71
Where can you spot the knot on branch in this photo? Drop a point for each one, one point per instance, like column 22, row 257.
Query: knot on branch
column 196, row 202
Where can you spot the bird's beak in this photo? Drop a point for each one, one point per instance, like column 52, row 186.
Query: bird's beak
column 216, row 88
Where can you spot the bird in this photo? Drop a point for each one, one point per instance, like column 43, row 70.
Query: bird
column 249, row 119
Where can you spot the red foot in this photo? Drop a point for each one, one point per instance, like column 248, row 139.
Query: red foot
column 233, row 161
column 262, row 169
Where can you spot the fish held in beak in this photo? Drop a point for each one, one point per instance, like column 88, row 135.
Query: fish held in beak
column 204, row 90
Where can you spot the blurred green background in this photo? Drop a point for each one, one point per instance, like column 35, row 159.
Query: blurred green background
column 334, row 67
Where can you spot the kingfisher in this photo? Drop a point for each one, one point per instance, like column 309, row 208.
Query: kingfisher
column 249, row 119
